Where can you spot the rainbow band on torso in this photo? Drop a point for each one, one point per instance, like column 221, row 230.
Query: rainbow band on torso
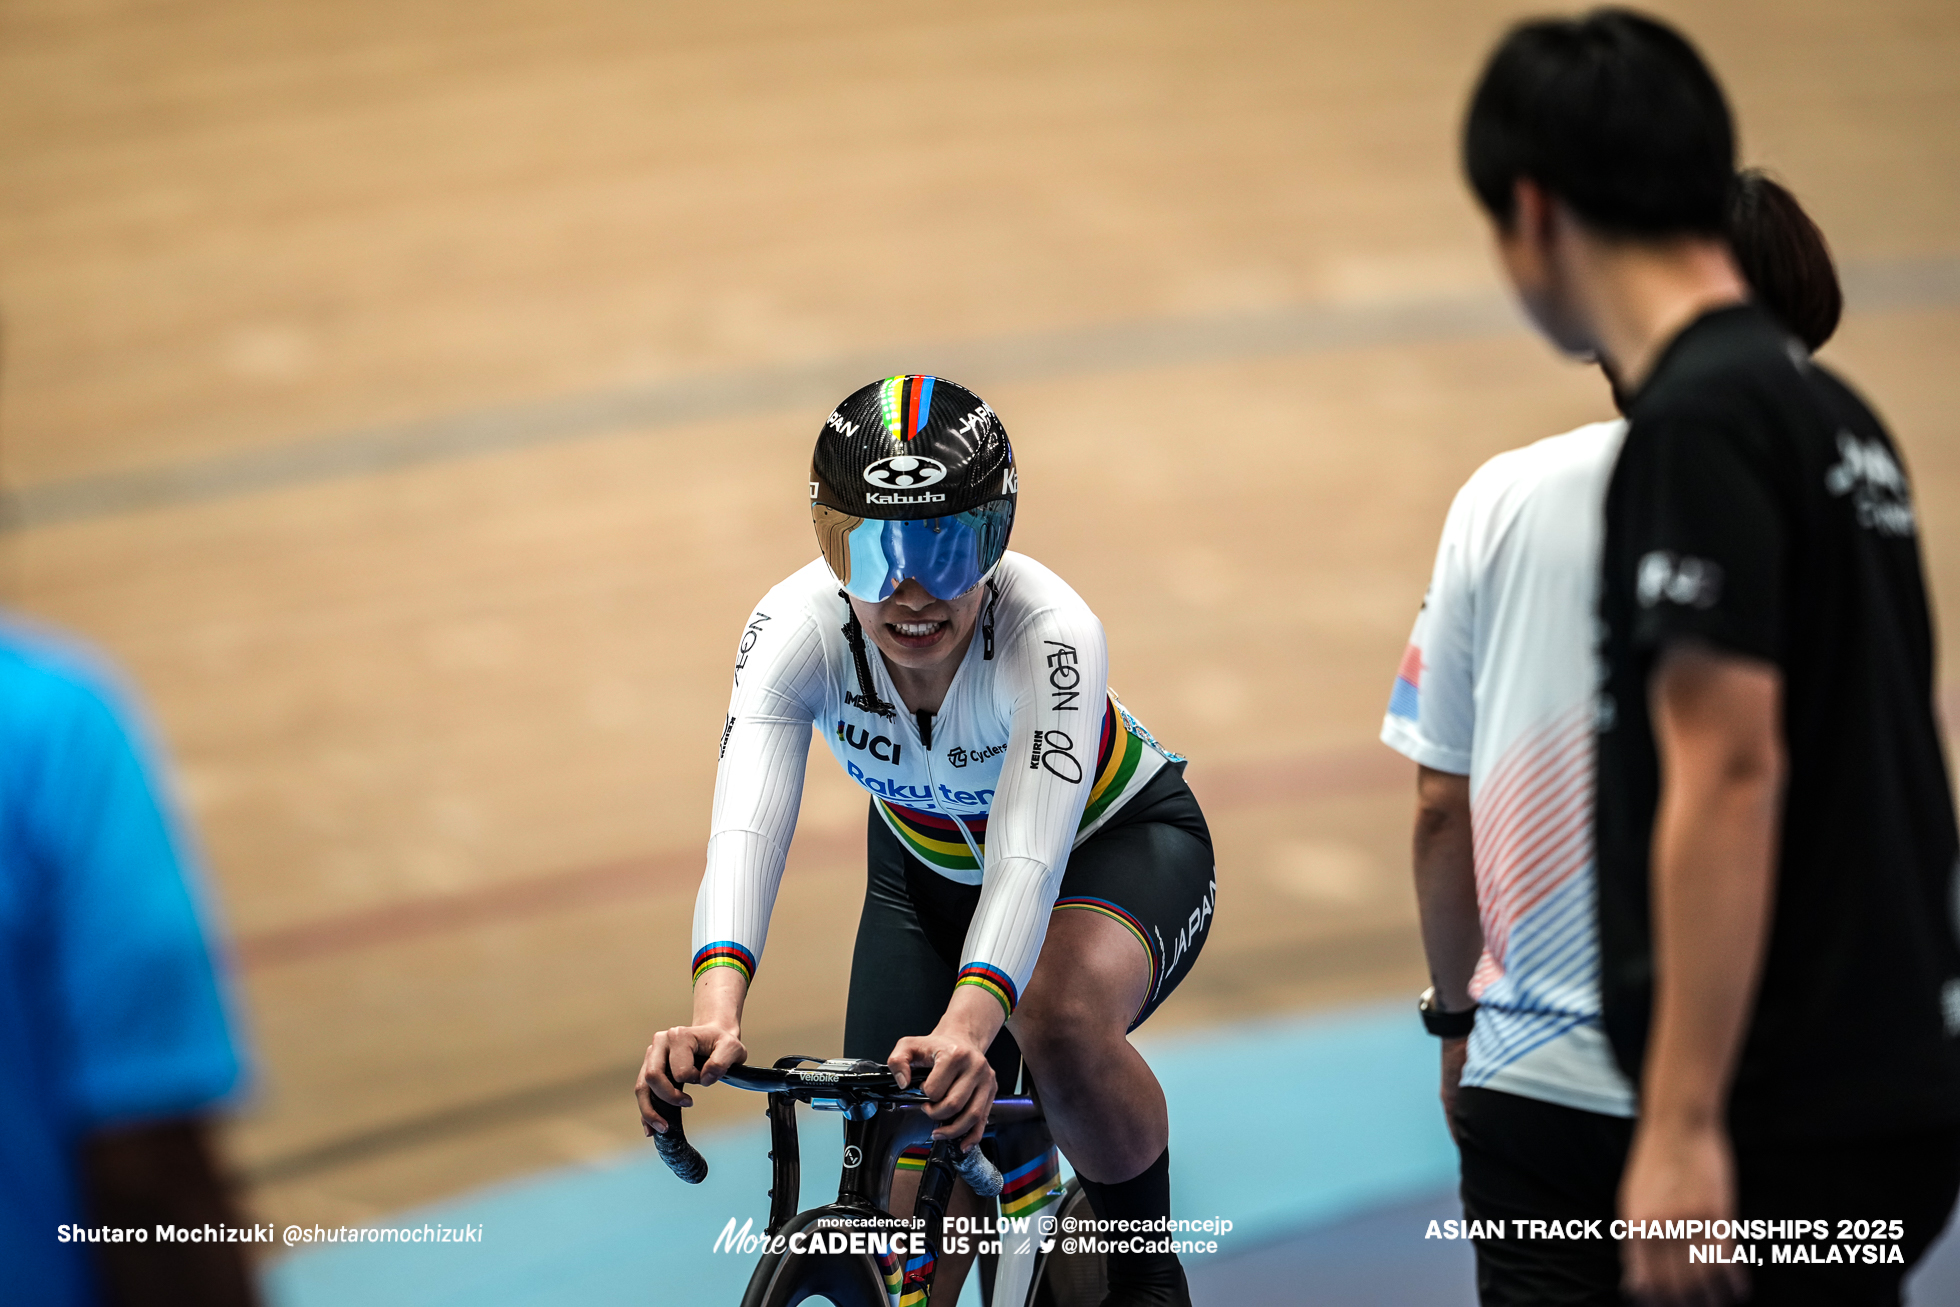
column 1117, row 755
column 932, row 837
column 935, row 840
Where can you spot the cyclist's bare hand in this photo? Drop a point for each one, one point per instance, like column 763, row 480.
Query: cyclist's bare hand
column 684, row 1055
column 959, row 1082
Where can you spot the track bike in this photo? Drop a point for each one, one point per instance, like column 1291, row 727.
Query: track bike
column 892, row 1259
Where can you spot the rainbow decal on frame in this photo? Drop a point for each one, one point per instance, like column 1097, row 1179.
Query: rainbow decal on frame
column 914, row 1290
column 907, row 405
column 1032, row 1186
column 889, row 1270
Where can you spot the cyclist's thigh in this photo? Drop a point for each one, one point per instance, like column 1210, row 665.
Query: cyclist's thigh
column 1153, row 875
column 907, row 954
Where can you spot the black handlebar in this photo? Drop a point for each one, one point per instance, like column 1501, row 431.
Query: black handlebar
column 843, row 1081
column 846, row 1079
column 681, row 1157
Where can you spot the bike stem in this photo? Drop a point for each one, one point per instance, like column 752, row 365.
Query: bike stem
column 786, row 1155
column 860, row 1182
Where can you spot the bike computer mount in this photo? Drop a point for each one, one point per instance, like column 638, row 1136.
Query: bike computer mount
column 852, row 1086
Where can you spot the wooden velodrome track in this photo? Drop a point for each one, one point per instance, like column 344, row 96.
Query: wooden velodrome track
column 414, row 397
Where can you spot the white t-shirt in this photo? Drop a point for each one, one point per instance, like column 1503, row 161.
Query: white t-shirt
column 1029, row 755
column 1500, row 682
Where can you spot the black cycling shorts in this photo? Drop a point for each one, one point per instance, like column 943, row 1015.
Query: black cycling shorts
column 1150, row 869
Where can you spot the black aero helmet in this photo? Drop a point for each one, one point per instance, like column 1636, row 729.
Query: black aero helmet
column 913, row 477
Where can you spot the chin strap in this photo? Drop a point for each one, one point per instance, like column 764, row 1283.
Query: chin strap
column 866, row 699
column 987, row 621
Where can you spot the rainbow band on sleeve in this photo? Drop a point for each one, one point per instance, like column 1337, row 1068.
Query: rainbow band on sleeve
column 724, row 953
column 1116, row 914
column 993, row 980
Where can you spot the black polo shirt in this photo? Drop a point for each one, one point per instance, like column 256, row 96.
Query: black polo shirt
column 1759, row 506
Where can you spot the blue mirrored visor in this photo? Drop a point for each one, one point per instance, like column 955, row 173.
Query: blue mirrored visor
column 947, row 555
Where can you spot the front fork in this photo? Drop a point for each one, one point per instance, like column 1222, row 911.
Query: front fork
column 866, row 1148
column 870, row 1147
column 935, row 1192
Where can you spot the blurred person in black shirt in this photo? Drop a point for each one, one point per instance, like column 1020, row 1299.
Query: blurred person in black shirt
column 1775, row 831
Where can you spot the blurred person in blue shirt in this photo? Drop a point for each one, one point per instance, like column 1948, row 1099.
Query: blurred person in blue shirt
column 115, row 1040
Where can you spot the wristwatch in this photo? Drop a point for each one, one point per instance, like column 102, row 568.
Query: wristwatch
column 1444, row 1025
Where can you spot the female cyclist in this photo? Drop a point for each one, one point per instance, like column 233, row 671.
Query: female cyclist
column 1040, row 876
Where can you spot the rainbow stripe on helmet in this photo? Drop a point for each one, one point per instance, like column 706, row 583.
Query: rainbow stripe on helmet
column 906, row 402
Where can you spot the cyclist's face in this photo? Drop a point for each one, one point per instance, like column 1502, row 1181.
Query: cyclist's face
column 915, row 630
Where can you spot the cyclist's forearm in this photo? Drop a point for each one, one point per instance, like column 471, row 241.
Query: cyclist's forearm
column 972, row 1015
column 1446, row 884
column 718, row 998
column 1003, row 941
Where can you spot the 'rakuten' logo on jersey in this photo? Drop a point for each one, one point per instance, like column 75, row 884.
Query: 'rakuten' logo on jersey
column 920, row 796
